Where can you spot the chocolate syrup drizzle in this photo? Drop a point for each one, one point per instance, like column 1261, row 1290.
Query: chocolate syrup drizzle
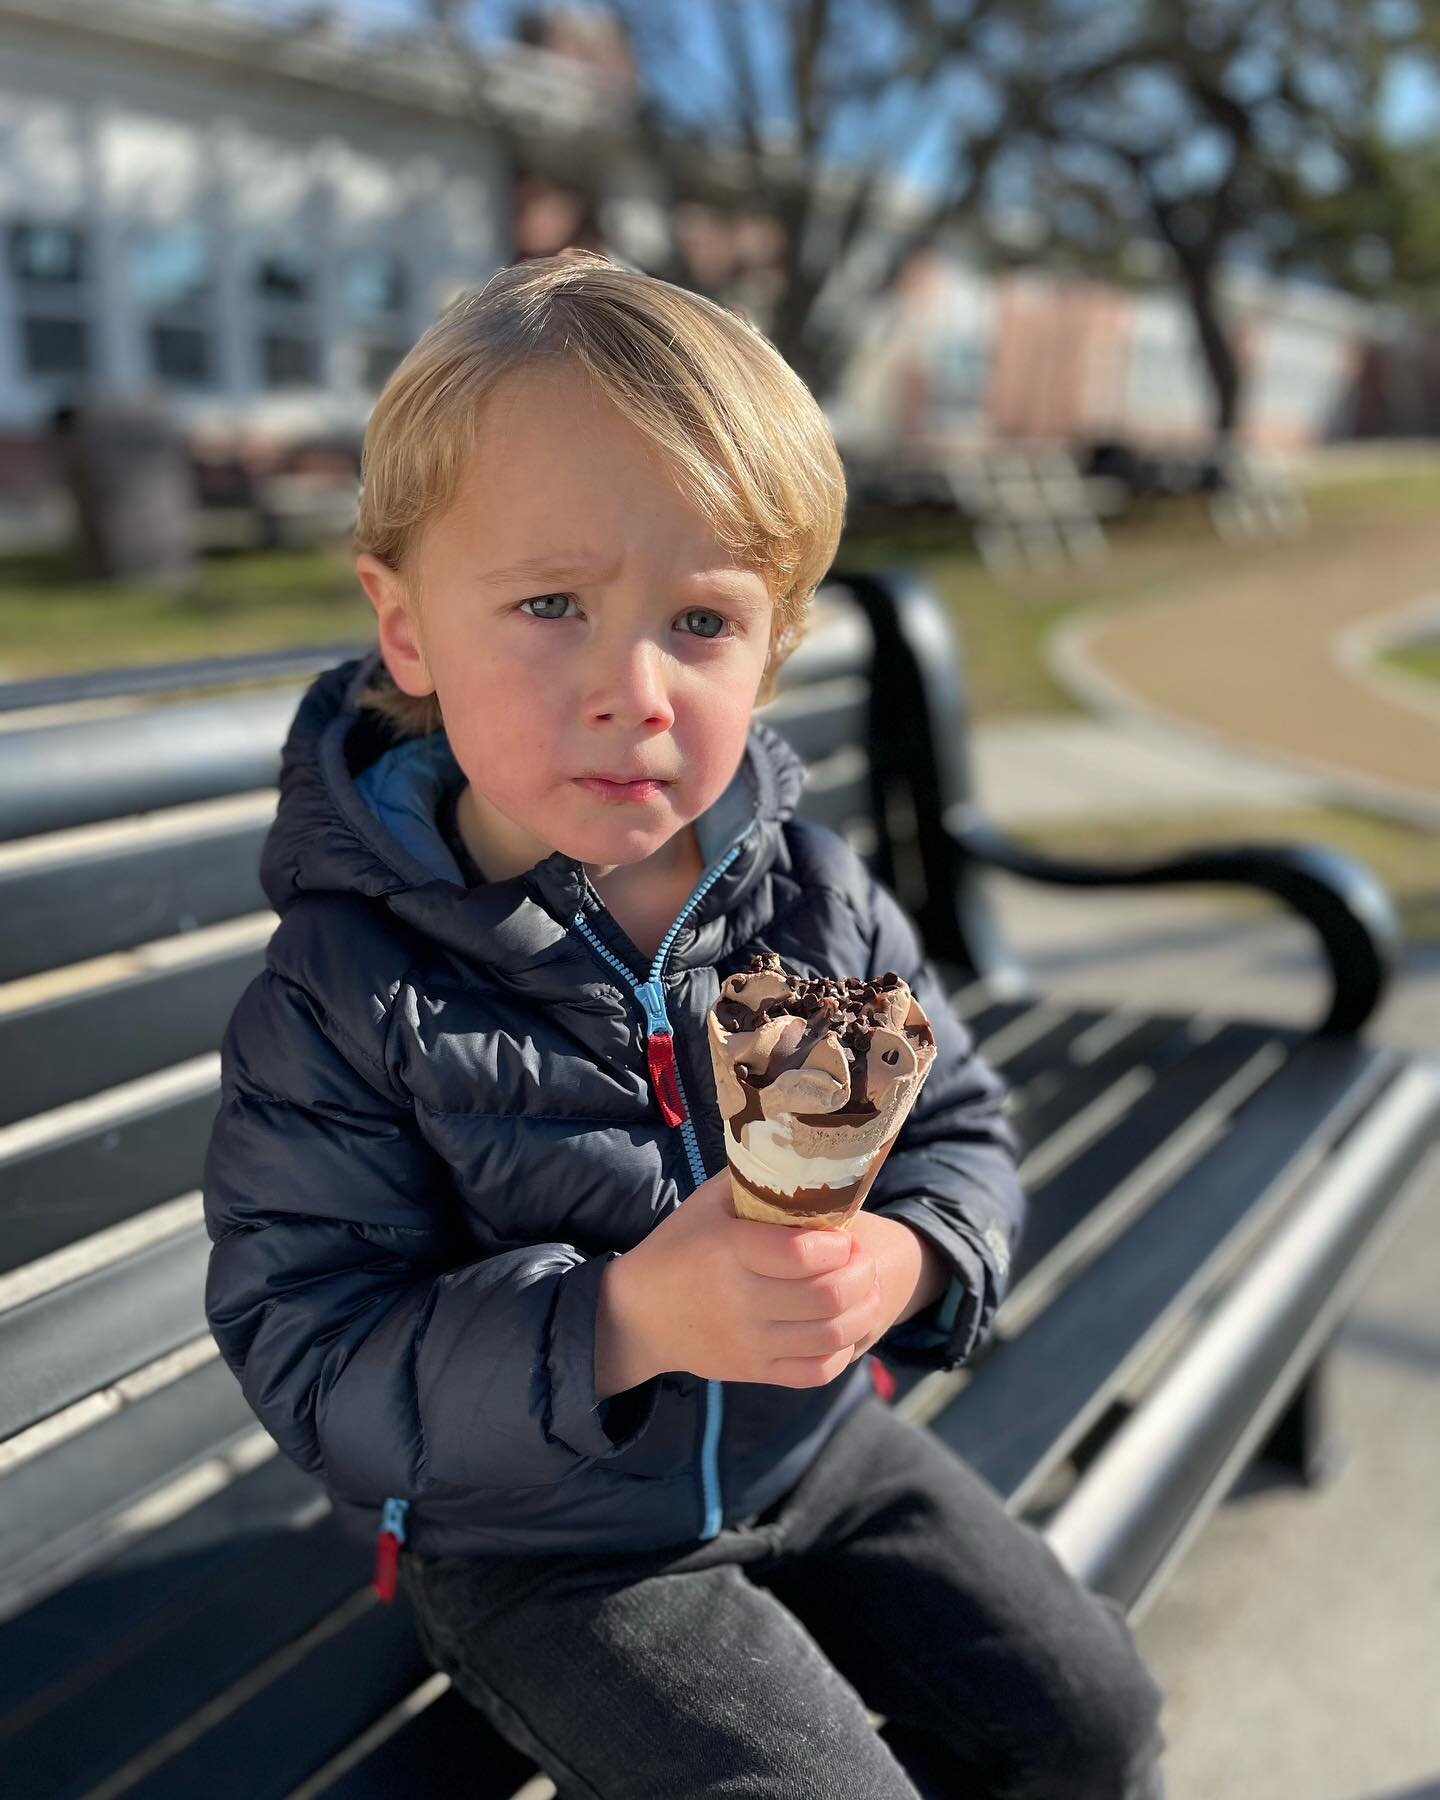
column 825, row 1004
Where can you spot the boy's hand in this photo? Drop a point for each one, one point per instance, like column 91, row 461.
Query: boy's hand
column 733, row 1300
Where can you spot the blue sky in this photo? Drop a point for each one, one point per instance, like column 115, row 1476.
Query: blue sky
column 1412, row 105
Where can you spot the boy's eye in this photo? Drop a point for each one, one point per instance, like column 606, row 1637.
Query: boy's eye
column 715, row 628
column 544, row 600
column 699, row 613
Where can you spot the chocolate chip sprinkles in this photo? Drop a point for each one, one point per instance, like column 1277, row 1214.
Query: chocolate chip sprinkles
column 847, row 1008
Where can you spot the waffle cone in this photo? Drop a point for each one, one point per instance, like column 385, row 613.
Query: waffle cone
column 750, row 1205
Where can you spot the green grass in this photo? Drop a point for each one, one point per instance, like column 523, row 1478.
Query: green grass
column 1406, row 491
column 50, row 623
column 1003, row 627
column 1405, row 858
column 1417, row 659
column 1155, row 554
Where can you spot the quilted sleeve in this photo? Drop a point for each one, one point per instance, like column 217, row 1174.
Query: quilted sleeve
column 347, row 1300
column 952, row 1172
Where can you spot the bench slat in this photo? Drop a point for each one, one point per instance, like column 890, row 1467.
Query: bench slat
column 59, row 1506
column 148, row 1668
column 817, row 719
column 130, row 679
column 843, row 806
column 63, row 1345
column 64, row 1191
column 80, row 904
column 1034, row 1055
column 55, row 1647
column 80, row 1044
column 1158, row 1480
column 1061, row 1202
column 57, row 776
column 991, row 1017
column 303, row 1718
column 446, row 1752
column 1054, row 1098
column 1042, row 1390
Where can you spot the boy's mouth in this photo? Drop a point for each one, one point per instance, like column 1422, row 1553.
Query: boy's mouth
column 618, row 787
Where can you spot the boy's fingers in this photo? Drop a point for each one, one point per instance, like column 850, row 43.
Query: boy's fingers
column 809, row 1371
column 787, row 1254
column 822, row 1296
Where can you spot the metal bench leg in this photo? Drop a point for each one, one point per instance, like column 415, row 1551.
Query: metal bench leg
column 1303, row 1441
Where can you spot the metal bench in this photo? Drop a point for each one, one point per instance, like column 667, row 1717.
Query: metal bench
column 178, row 1614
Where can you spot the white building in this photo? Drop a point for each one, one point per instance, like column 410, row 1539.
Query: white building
column 254, row 225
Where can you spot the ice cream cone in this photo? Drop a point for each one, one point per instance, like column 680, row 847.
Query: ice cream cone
column 814, row 1081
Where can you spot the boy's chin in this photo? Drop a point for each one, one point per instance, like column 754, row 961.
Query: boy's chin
column 607, row 852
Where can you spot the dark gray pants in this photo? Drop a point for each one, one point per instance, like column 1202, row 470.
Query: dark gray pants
column 737, row 1668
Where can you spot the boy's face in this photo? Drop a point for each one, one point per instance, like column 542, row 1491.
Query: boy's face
column 629, row 643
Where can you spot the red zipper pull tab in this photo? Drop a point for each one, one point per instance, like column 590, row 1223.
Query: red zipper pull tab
column 882, row 1380
column 660, row 1060
column 387, row 1549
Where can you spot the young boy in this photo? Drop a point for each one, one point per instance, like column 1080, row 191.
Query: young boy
column 472, row 1263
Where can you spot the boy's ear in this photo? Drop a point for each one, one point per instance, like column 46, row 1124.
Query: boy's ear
column 399, row 631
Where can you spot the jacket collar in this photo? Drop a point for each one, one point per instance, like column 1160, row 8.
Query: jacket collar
column 356, row 821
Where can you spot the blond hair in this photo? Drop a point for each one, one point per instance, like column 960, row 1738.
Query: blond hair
column 741, row 433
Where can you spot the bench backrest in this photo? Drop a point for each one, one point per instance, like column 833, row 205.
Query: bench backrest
column 130, row 834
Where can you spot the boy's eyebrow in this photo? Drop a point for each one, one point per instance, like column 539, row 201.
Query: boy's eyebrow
column 554, row 565
column 569, row 565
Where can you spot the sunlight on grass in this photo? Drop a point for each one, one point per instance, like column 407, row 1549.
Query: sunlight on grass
column 265, row 601
column 49, row 623
column 1417, row 659
column 1402, row 491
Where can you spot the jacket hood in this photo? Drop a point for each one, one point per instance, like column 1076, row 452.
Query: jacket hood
column 357, row 815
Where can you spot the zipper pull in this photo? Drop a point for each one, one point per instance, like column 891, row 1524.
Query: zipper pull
column 660, row 1059
column 652, row 997
column 660, row 1053
column 387, row 1549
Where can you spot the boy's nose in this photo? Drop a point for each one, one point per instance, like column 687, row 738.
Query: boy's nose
column 632, row 690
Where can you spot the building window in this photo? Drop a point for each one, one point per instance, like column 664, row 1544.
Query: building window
column 48, row 272
column 378, row 362
column 374, row 295
column 1165, row 390
column 181, row 354
column 47, row 255
column 287, row 361
column 373, row 287
column 289, row 335
column 54, row 346
column 171, row 277
column 958, row 377
column 283, row 275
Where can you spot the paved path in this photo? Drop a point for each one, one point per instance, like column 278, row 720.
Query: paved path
column 1058, row 767
column 1258, row 659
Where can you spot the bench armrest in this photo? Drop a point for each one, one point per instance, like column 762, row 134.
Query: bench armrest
column 1349, row 907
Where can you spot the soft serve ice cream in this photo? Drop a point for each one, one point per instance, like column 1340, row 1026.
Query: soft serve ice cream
column 814, row 1080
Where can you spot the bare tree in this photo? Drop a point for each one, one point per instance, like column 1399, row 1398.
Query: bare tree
column 850, row 132
column 1217, row 126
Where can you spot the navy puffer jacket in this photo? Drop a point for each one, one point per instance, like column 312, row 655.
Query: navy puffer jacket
column 437, row 1127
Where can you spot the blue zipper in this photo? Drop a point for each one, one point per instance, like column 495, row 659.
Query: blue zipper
column 651, row 996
